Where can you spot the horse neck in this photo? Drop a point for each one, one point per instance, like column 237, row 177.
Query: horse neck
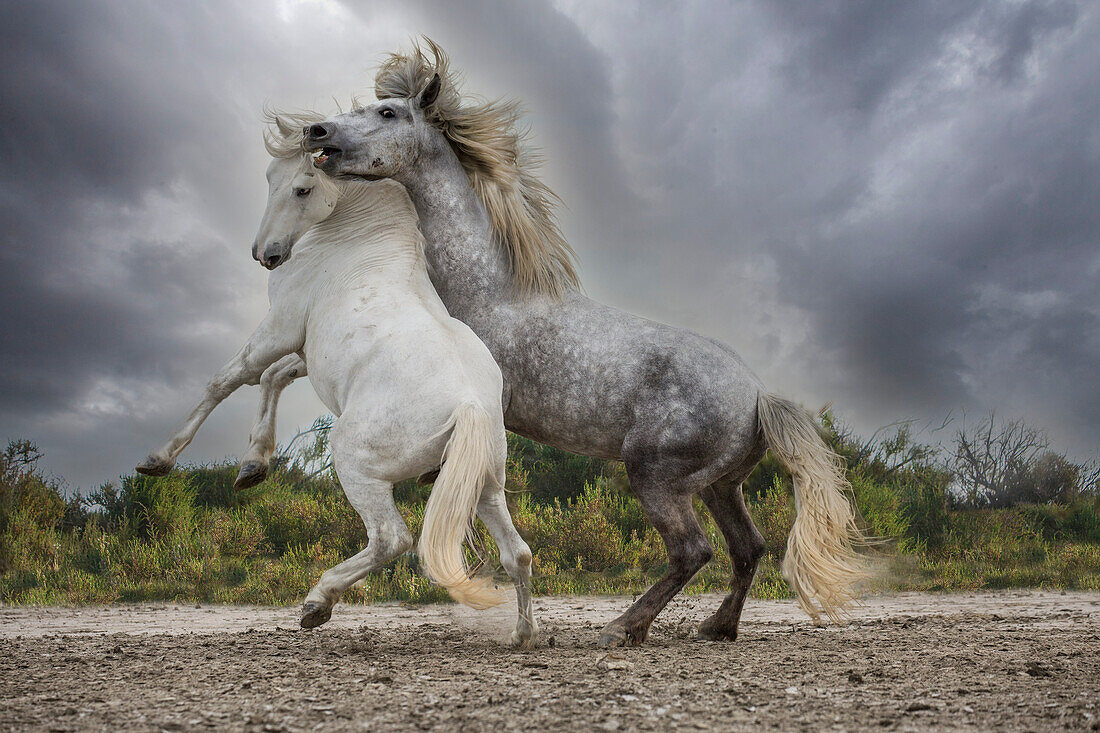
column 467, row 265
column 371, row 225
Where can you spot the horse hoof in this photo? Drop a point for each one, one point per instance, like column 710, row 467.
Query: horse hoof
column 154, row 466
column 709, row 630
column 314, row 614
column 251, row 473
column 525, row 642
column 616, row 635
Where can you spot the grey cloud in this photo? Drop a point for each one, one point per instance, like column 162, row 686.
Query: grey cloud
column 889, row 206
column 889, row 161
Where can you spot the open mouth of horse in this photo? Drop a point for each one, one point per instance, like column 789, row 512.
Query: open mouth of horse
column 323, row 155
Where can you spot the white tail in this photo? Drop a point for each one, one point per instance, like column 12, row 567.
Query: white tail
column 468, row 463
column 821, row 563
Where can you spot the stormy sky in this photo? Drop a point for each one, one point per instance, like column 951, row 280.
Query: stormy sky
column 894, row 207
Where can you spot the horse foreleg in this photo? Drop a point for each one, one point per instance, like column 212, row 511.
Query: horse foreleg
column 267, row 344
column 276, row 378
column 688, row 551
column 515, row 556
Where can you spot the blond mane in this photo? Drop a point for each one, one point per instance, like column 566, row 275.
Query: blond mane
column 501, row 167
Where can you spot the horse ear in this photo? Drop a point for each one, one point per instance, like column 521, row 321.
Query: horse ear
column 284, row 127
column 431, row 92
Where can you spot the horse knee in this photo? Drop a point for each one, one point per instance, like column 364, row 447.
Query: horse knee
column 521, row 561
column 757, row 545
column 516, row 558
column 276, row 381
column 393, row 541
column 693, row 556
column 703, row 556
column 753, row 550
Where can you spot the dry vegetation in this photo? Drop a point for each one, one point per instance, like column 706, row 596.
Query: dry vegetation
column 190, row 536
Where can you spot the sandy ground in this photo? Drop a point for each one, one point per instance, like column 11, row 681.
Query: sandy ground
column 1011, row 660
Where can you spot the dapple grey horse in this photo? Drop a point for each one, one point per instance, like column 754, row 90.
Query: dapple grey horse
column 682, row 411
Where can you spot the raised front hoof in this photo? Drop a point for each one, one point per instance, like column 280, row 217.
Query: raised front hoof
column 615, row 634
column 251, row 473
column 154, row 466
column 710, row 630
column 315, row 614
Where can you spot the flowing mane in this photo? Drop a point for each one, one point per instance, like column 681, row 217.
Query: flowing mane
column 501, row 167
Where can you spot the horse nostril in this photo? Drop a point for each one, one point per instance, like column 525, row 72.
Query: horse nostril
column 273, row 260
column 318, row 132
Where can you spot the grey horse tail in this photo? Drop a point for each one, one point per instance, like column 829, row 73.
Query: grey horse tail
column 821, row 562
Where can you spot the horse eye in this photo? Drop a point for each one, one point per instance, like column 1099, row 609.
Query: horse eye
column 387, row 113
column 302, row 191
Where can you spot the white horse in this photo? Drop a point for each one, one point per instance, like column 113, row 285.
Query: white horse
column 411, row 386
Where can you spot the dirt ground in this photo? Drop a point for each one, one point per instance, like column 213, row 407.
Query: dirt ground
column 1009, row 660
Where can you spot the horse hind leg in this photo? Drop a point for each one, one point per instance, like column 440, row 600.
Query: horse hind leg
column 261, row 446
column 746, row 545
column 688, row 551
column 515, row 556
column 387, row 537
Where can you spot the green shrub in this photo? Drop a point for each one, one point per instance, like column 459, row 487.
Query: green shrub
column 925, row 506
column 1079, row 520
column 576, row 535
column 1083, row 520
column 213, row 484
column 880, row 505
column 291, row 518
column 550, row 473
column 767, row 474
column 773, row 515
column 188, row 536
column 237, row 533
column 157, row 507
column 28, row 501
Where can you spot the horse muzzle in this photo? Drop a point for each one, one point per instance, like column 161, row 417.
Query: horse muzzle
column 273, row 254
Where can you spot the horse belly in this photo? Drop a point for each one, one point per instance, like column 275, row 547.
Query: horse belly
column 338, row 355
column 567, row 411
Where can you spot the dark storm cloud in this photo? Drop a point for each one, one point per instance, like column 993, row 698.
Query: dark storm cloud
column 994, row 197
column 875, row 197
column 97, row 120
column 886, row 205
column 132, row 171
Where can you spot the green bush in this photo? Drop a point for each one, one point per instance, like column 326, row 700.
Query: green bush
column 768, row 474
column 151, row 507
column 292, row 518
column 925, row 506
column 213, row 485
column 1078, row 521
column 773, row 515
column 550, row 473
column 575, row 535
column 189, row 536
